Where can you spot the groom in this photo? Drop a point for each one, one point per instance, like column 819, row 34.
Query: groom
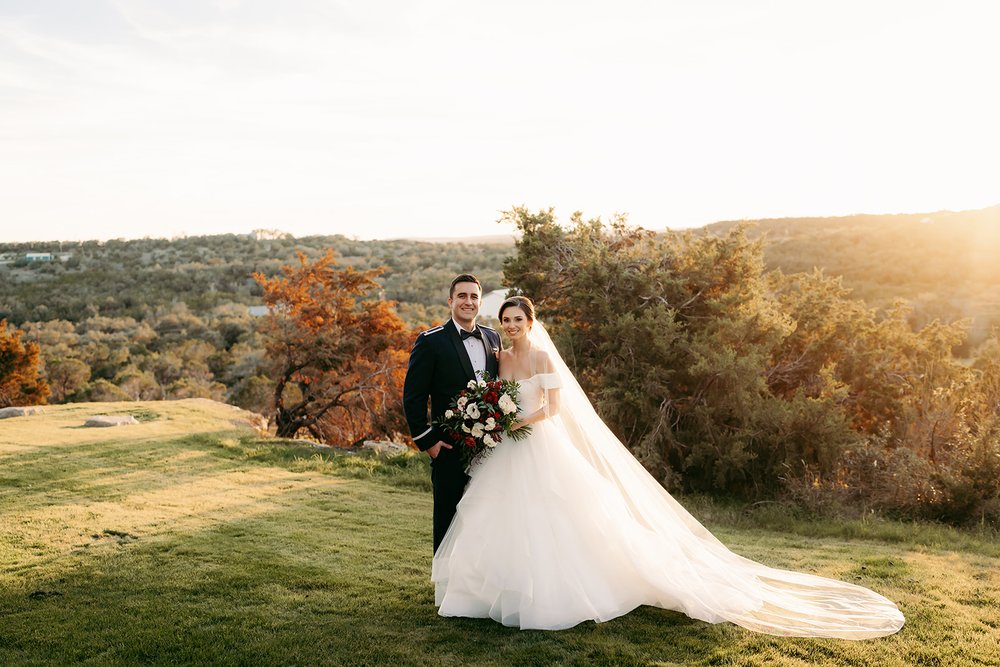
column 442, row 362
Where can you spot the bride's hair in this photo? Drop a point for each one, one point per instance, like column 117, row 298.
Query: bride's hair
column 522, row 302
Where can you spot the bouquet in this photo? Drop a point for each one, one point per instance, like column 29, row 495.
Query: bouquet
column 479, row 416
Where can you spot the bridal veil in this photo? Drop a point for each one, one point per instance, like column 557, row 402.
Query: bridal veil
column 719, row 584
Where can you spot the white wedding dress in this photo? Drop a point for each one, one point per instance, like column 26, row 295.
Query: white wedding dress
column 566, row 526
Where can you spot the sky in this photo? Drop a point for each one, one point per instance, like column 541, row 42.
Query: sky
column 426, row 118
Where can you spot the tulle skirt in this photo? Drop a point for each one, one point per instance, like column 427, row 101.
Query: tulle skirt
column 541, row 540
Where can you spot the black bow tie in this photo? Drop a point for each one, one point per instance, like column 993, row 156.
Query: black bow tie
column 475, row 333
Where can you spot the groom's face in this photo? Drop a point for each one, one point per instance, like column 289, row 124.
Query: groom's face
column 464, row 302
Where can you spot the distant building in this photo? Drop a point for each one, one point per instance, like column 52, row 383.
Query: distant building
column 490, row 305
column 38, row 256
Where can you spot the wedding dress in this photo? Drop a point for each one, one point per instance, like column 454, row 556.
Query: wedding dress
column 566, row 526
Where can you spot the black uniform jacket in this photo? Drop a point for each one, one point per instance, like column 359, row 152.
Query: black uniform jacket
column 439, row 369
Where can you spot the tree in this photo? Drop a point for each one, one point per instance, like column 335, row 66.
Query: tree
column 21, row 382
column 196, row 388
column 105, row 391
column 719, row 375
column 724, row 377
column 138, row 384
column 672, row 335
column 66, row 376
column 337, row 361
column 253, row 393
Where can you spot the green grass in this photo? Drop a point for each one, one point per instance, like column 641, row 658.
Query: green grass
column 186, row 539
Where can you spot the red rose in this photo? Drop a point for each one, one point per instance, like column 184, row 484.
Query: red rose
column 455, row 436
column 470, row 441
column 491, row 397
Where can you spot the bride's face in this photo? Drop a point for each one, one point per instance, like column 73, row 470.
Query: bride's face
column 515, row 323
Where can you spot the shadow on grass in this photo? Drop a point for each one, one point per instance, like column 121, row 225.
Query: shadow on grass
column 338, row 580
column 107, row 470
column 338, row 574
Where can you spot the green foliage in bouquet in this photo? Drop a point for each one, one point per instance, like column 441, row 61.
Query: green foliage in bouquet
column 481, row 415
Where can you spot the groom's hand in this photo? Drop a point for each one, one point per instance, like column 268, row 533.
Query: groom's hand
column 435, row 449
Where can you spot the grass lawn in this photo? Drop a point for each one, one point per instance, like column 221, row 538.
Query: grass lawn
column 186, row 539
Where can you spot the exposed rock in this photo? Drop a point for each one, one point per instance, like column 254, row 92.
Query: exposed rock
column 111, row 420
column 20, row 412
column 385, row 448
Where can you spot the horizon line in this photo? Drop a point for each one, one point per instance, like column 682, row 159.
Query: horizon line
column 483, row 238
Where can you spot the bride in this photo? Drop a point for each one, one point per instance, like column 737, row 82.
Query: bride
column 566, row 526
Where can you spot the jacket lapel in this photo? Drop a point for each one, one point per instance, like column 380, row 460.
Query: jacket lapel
column 463, row 354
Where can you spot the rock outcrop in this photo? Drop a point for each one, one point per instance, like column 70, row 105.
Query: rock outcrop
column 6, row 413
column 385, row 448
column 111, row 420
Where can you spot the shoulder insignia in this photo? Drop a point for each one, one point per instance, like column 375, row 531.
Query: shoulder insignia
column 434, row 330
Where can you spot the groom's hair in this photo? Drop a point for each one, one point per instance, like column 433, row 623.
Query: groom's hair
column 464, row 278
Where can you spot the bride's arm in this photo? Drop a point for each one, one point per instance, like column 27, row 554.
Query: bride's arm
column 551, row 406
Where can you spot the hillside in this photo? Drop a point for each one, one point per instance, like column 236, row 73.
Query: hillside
column 158, row 318
column 946, row 264
column 188, row 540
column 137, row 278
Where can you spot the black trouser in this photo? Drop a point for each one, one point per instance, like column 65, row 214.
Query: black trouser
column 449, row 479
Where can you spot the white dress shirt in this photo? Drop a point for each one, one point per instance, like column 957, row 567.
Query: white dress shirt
column 476, row 349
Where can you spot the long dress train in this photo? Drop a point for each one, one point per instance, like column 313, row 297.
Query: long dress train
column 566, row 526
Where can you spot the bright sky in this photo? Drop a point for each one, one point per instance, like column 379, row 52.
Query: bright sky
column 375, row 119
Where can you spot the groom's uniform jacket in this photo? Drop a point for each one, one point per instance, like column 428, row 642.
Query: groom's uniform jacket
column 439, row 369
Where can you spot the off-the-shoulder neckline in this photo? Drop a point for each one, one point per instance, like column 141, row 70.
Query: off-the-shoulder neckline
column 532, row 377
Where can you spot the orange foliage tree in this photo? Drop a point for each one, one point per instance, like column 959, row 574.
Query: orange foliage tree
column 338, row 361
column 20, row 380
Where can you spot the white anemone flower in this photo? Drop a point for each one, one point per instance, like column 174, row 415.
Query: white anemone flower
column 507, row 405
